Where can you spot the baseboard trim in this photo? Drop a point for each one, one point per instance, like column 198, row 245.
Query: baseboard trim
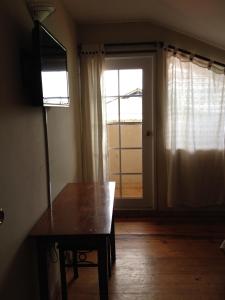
column 218, row 215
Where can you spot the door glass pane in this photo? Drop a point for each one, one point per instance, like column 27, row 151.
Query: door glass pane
column 131, row 109
column 113, row 135
column 112, row 109
column 113, row 161
column 123, row 97
column 131, row 161
column 132, row 186
column 131, row 135
column 110, row 83
column 130, row 81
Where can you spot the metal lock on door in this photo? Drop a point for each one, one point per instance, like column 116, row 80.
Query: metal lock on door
column 148, row 133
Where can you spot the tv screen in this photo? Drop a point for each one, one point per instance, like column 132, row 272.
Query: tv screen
column 50, row 76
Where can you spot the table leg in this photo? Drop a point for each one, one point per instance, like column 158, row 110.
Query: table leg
column 112, row 240
column 43, row 269
column 103, row 269
column 75, row 268
column 63, row 274
column 109, row 258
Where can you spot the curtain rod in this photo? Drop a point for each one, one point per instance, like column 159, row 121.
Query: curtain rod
column 110, row 48
column 172, row 48
column 160, row 44
column 131, row 51
column 156, row 44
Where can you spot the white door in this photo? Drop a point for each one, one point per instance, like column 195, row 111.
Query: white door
column 129, row 97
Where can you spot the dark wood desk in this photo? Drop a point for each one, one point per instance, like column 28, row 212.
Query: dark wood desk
column 81, row 216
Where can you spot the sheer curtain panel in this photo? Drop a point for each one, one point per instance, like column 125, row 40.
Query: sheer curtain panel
column 93, row 114
column 194, row 132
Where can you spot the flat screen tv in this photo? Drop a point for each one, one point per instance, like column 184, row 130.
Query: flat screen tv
column 49, row 76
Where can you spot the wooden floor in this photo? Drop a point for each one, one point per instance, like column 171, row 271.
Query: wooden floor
column 161, row 260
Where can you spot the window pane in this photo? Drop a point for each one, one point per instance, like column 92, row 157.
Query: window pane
column 131, row 135
column 110, row 83
column 132, row 186
column 130, row 81
column 112, row 114
column 131, row 161
column 113, row 135
column 113, row 161
column 124, row 105
column 131, row 109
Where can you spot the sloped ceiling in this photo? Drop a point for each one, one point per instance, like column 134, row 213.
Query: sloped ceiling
column 201, row 19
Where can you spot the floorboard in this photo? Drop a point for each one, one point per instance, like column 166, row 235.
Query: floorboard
column 160, row 261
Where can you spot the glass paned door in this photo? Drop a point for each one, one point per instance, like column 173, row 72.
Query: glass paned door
column 124, row 94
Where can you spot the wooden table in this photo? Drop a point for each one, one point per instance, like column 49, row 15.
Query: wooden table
column 82, row 216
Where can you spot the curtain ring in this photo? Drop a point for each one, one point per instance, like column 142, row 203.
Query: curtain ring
column 192, row 56
column 210, row 64
column 175, row 52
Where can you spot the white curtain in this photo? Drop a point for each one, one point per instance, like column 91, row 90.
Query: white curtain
column 194, row 132
column 93, row 114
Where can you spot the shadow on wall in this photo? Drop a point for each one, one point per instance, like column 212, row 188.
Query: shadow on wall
column 21, row 274
column 15, row 32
